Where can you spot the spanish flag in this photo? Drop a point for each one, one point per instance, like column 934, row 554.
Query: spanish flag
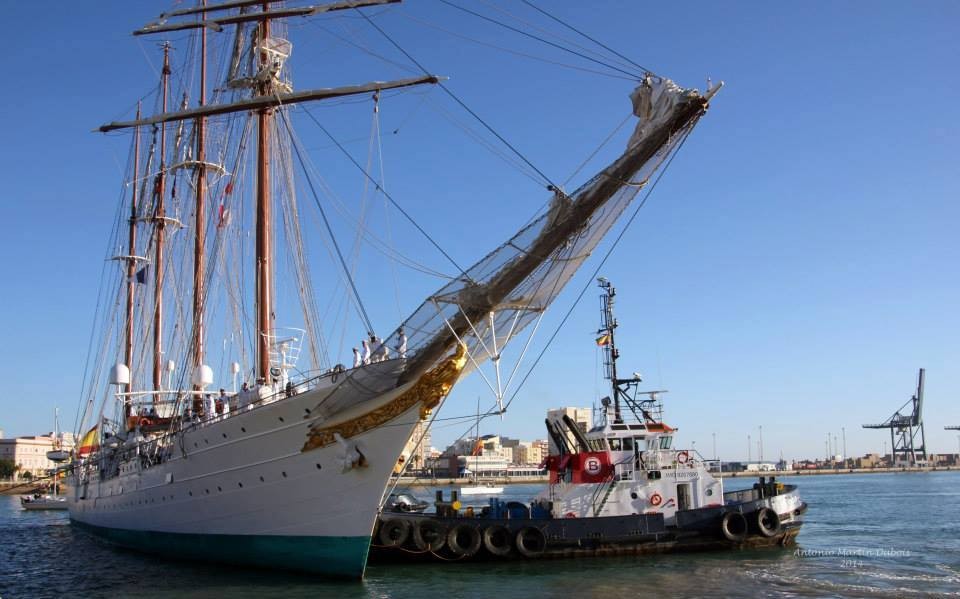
column 603, row 340
column 90, row 441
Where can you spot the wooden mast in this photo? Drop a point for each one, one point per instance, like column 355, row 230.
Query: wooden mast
column 132, row 265
column 200, row 222
column 264, row 259
column 159, row 224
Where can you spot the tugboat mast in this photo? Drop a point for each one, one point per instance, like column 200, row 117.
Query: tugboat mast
column 605, row 339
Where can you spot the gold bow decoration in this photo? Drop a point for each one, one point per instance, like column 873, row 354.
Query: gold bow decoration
column 429, row 390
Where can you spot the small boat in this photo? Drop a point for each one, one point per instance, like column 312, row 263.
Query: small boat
column 620, row 488
column 43, row 502
column 58, row 454
column 481, row 489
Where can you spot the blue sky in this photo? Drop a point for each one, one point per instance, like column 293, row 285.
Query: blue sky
column 793, row 269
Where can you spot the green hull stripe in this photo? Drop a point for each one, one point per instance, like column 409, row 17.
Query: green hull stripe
column 342, row 557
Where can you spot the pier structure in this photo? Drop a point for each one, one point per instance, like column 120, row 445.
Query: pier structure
column 905, row 425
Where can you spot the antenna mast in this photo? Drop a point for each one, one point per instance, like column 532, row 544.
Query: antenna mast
column 606, row 340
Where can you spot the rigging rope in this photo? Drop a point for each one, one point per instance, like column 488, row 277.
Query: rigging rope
column 606, row 256
column 515, row 52
column 635, row 76
column 546, row 179
column 343, row 263
column 386, row 195
column 575, row 30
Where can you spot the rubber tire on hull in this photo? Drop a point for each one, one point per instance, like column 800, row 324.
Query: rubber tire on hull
column 498, row 540
column 531, row 542
column 464, row 539
column 394, row 533
column 429, row 535
column 768, row 522
column 734, row 526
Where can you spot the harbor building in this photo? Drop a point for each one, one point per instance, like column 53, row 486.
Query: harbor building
column 29, row 454
column 417, row 449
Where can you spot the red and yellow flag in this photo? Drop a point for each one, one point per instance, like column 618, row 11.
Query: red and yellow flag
column 90, row 441
column 603, row 340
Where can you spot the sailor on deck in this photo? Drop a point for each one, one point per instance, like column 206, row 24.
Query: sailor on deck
column 357, row 358
column 366, row 352
column 402, row 344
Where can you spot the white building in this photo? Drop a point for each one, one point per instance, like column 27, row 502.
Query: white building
column 417, row 449
column 30, row 453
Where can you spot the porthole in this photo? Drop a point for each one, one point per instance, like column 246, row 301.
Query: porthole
column 243, row 430
column 319, row 466
column 240, row 485
column 219, row 489
column 261, row 479
column 207, row 491
column 284, row 474
column 280, row 418
column 224, row 435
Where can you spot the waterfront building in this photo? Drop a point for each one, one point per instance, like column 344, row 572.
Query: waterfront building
column 529, row 453
column 417, row 449
column 30, row 453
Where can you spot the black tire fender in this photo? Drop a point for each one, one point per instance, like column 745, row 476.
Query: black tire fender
column 429, row 535
column 394, row 532
column 498, row 540
column 734, row 526
column 531, row 542
column 768, row 522
column 464, row 539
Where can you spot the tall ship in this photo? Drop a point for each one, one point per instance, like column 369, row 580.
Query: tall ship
column 287, row 464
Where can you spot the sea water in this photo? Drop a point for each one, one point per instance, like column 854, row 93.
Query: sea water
column 867, row 535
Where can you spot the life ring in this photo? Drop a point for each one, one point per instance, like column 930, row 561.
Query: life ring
column 464, row 539
column 531, row 542
column 143, row 422
column 429, row 535
column 734, row 526
column 394, row 533
column 570, row 515
column 683, row 457
column 498, row 540
column 768, row 522
column 656, row 499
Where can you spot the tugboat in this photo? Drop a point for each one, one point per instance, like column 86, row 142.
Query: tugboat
column 619, row 488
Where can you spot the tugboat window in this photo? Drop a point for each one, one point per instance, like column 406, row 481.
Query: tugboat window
column 665, row 442
column 614, row 444
column 628, row 444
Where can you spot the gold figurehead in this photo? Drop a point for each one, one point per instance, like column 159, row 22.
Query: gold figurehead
column 429, row 391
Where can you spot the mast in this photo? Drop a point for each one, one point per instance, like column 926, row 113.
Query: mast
column 132, row 263
column 264, row 259
column 159, row 225
column 199, row 265
column 606, row 332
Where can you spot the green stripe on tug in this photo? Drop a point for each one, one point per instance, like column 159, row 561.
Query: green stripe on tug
column 340, row 557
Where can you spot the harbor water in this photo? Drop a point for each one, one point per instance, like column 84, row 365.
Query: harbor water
column 869, row 535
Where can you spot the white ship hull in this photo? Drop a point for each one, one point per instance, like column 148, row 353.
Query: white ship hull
column 243, row 489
